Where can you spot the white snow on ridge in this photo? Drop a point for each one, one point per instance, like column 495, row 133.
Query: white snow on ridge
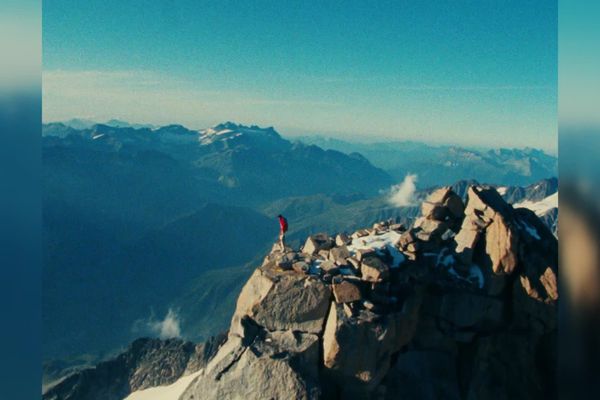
column 379, row 242
column 170, row 392
column 541, row 207
column 501, row 190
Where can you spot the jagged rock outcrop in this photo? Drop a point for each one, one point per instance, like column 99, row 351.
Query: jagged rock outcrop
column 461, row 306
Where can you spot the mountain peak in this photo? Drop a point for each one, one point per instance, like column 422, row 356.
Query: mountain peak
column 230, row 131
column 352, row 315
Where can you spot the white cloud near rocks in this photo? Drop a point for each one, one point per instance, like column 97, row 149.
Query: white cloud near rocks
column 403, row 194
column 169, row 327
column 166, row 328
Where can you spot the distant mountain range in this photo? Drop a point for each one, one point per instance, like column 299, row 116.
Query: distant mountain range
column 444, row 165
column 140, row 220
column 82, row 123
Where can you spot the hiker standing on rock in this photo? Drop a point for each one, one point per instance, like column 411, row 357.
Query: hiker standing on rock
column 283, row 227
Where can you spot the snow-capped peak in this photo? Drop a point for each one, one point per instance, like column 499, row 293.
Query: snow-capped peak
column 230, row 131
column 541, row 207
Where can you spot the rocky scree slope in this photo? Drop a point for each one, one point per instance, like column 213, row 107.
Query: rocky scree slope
column 460, row 306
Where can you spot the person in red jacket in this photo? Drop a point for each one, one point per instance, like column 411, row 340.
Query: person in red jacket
column 283, row 227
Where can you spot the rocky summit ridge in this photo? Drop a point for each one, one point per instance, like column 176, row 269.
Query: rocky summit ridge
column 461, row 305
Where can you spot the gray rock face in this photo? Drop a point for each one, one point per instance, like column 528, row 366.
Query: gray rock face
column 146, row 363
column 282, row 301
column 261, row 370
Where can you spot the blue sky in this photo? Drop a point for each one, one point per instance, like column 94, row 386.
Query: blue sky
column 470, row 72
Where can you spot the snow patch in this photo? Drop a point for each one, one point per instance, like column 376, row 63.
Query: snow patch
column 541, row 207
column 379, row 243
column 98, row 136
column 502, row 190
column 170, row 392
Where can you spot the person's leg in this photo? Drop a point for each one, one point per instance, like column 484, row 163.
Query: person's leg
column 282, row 241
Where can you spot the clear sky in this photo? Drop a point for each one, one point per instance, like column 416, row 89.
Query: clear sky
column 481, row 72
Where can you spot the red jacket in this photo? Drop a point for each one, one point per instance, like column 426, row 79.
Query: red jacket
column 283, row 225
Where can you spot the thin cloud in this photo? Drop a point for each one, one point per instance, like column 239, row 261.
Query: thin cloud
column 111, row 93
column 473, row 88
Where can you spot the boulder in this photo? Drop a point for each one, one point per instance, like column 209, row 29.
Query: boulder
column 342, row 239
column 397, row 227
column 434, row 211
column 430, row 225
column 346, row 292
column 455, row 205
column 282, row 301
column 466, row 240
column 550, row 284
column 405, row 239
column 360, row 233
column 412, row 247
column 324, row 254
column 429, row 229
column 361, row 254
column 328, row 266
column 301, row 266
column 379, row 338
column 439, row 195
column 485, row 203
column 373, row 269
column 285, row 261
column 380, row 226
column 339, row 255
column 354, row 262
column 366, row 363
column 317, row 242
column 501, row 245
